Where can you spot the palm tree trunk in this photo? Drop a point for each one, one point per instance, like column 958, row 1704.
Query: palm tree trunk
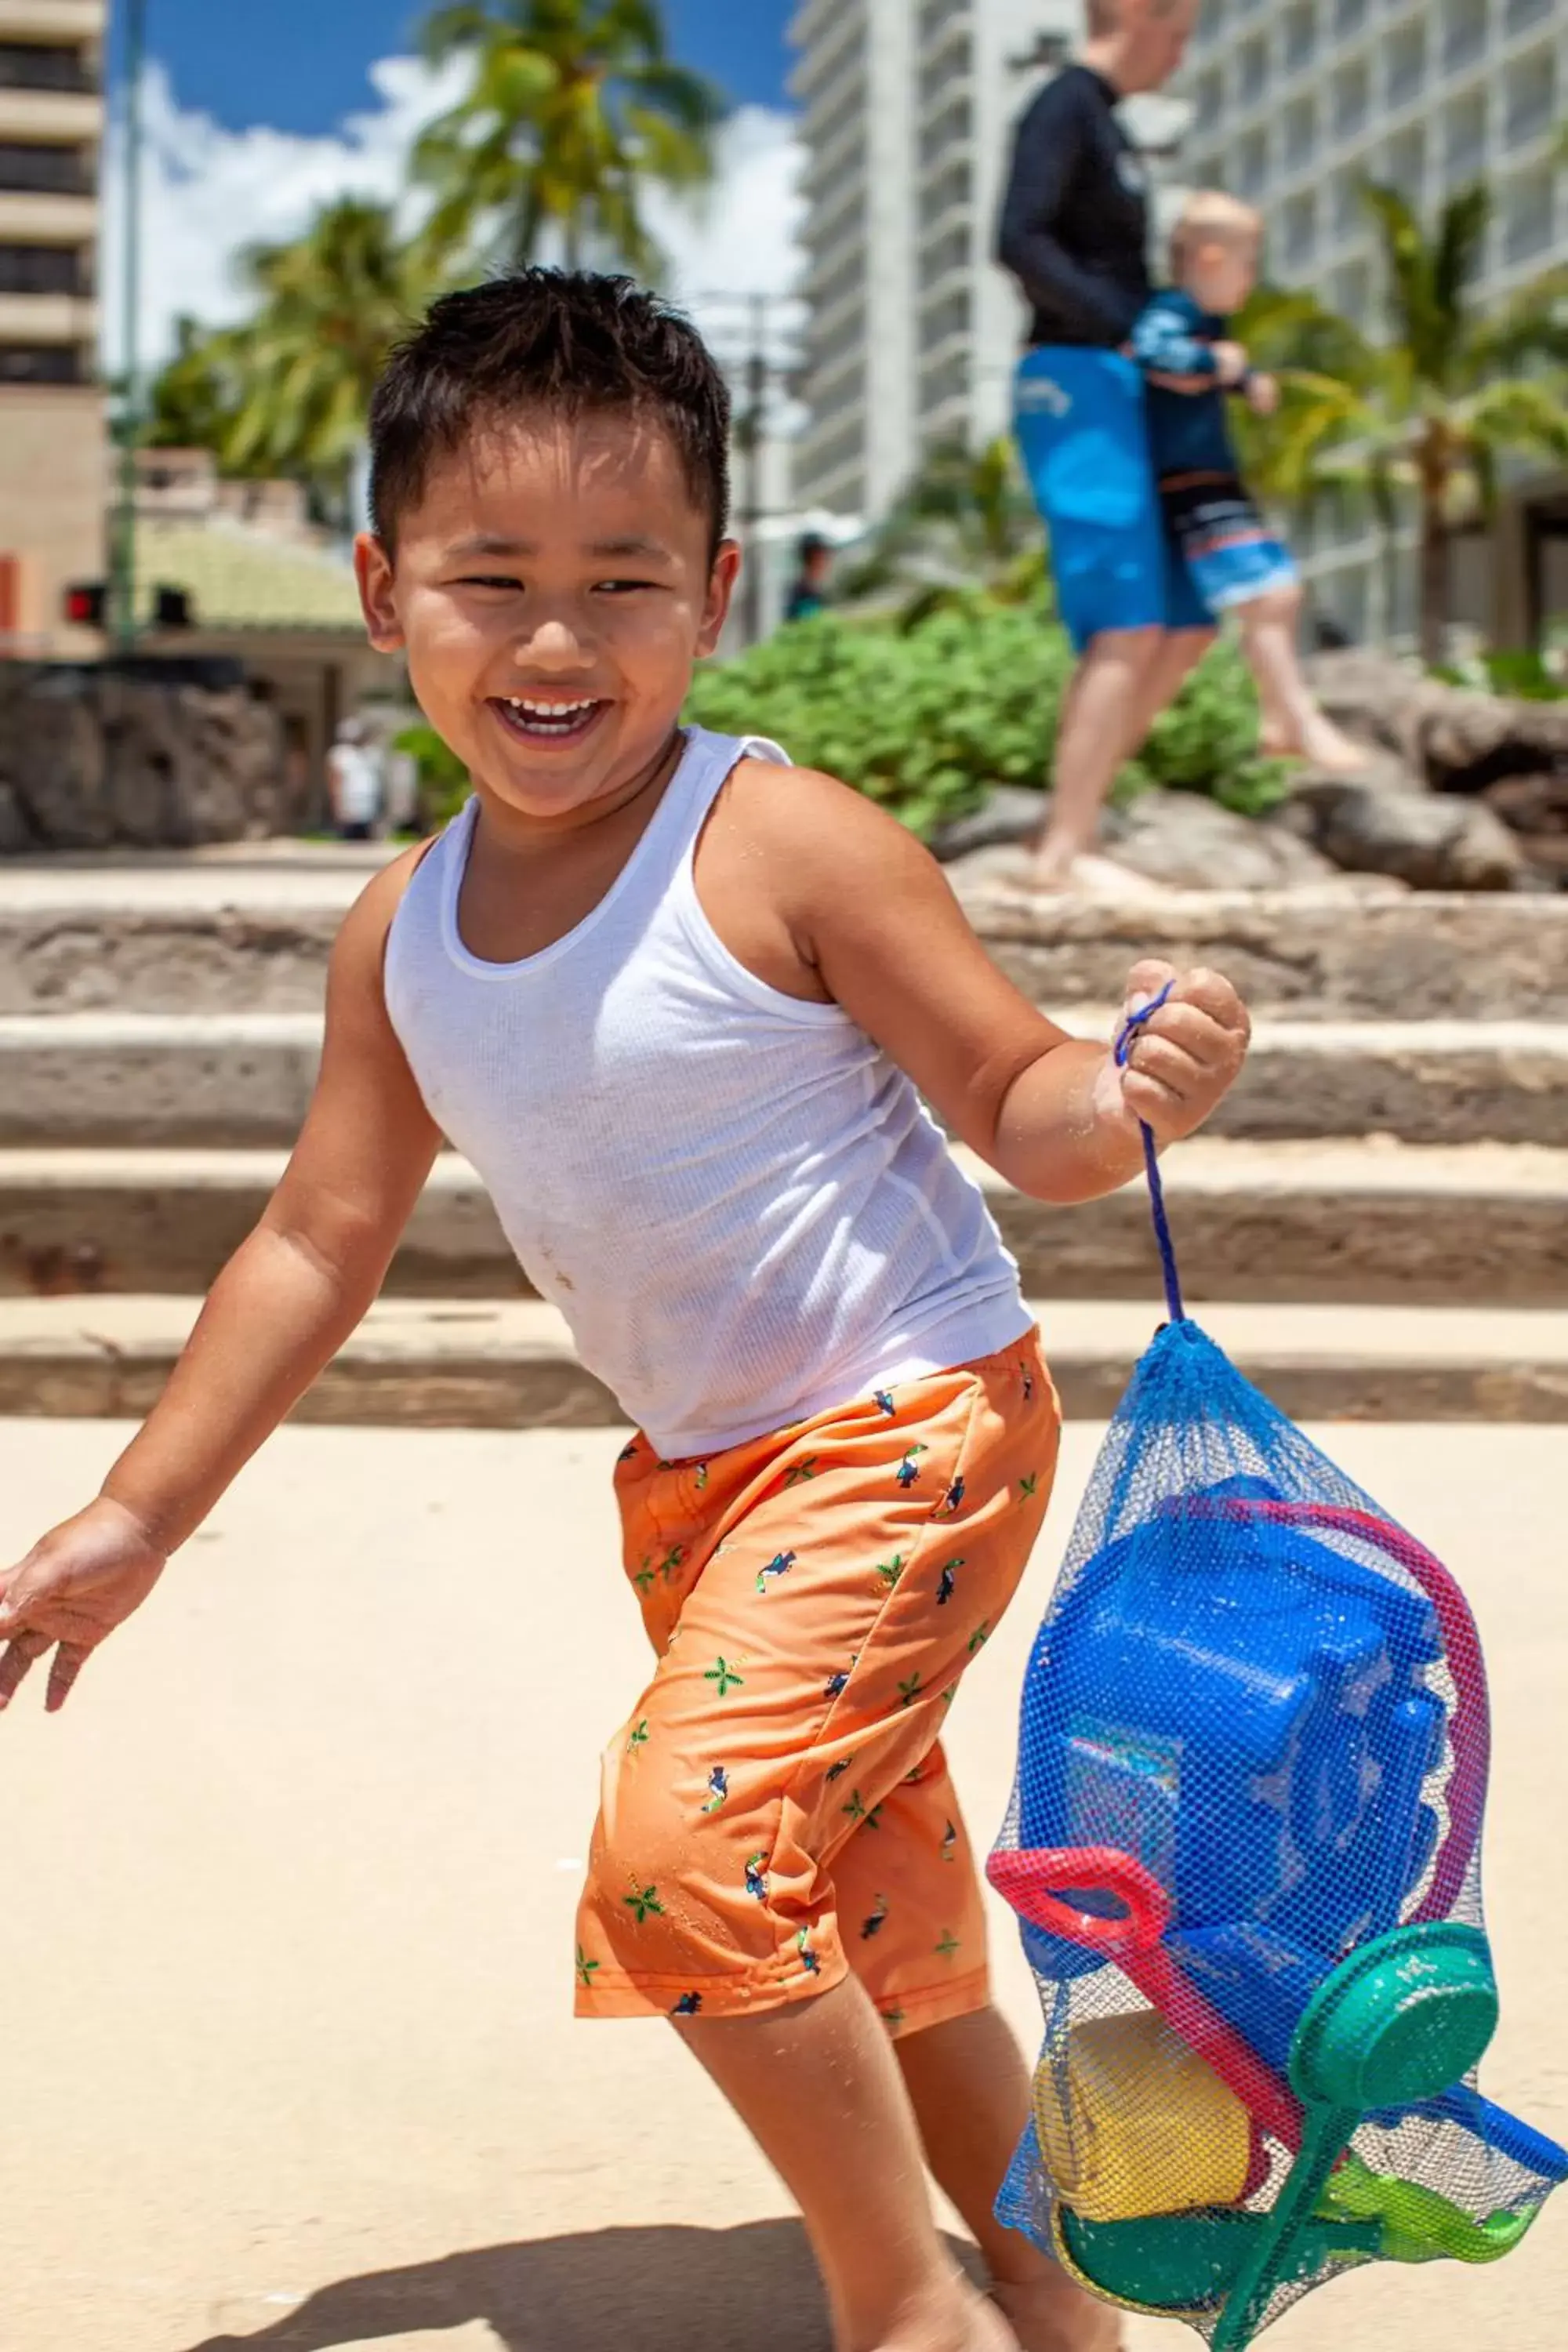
column 1433, row 582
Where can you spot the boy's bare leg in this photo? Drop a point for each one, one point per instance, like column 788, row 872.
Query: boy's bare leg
column 970, row 2089
column 1293, row 726
column 817, row 2086
column 1125, row 681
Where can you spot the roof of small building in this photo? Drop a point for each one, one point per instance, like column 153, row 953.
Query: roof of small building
column 241, row 579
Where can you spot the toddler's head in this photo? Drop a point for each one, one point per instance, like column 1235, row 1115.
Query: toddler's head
column 551, row 500
column 1214, row 251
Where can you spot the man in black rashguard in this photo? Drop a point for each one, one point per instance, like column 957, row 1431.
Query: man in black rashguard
column 1075, row 234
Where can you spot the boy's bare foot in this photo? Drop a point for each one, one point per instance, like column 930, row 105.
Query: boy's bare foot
column 1320, row 743
column 1051, row 2315
column 971, row 2323
column 1093, row 878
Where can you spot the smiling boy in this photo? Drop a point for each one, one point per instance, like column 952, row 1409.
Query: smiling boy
column 679, row 1004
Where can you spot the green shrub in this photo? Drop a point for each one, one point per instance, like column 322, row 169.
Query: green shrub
column 927, row 715
column 927, row 718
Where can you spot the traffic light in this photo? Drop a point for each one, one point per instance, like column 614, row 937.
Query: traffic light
column 87, row 604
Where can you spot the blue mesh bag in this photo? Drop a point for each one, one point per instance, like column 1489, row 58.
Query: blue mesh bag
column 1244, row 1847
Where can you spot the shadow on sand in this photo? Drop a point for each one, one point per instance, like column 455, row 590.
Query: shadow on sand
column 634, row 2290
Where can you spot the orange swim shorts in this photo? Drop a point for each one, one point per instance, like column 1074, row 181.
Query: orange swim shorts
column 777, row 1809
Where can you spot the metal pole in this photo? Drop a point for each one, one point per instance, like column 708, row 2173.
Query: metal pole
column 124, row 600
column 756, row 458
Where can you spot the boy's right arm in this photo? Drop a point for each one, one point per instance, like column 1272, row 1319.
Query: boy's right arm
column 277, row 1314
column 1164, row 346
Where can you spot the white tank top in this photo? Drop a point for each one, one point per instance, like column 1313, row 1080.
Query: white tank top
column 736, row 1200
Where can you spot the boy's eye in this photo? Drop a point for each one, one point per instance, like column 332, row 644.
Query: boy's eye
column 624, row 587
column 489, row 580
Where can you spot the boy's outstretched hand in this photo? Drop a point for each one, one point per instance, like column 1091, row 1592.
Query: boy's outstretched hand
column 1184, row 1059
column 73, row 1589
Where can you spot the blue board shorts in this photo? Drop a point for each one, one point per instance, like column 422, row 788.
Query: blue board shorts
column 1083, row 433
column 1229, row 553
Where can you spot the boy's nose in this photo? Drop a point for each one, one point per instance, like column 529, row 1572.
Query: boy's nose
column 554, row 644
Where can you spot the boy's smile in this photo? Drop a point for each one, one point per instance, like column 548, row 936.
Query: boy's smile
column 553, row 589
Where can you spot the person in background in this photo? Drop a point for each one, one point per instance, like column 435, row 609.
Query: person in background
column 353, row 783
column 1229, row 553
column 1075, row 234
column 809, row 594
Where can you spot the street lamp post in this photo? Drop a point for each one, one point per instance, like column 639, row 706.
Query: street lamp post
column 124, row 565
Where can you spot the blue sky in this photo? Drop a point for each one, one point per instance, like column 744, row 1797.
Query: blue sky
column 299, row 66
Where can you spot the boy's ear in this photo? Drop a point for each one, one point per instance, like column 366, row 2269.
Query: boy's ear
column 721, row 583
column 373, row 570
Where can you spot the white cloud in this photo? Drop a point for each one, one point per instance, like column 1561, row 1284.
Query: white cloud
column 209, row 192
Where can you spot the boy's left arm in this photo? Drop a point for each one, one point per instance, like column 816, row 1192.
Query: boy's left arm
column 872, row 914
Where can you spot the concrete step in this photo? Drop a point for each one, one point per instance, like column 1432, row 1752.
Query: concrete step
column 452, row 1365
column 165, row 935
column 244, row 1079
column 1364, row 1223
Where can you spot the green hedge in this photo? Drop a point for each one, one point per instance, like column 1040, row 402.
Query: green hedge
column 928, row 718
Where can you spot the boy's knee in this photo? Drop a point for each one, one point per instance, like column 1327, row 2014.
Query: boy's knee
column 1280, row 608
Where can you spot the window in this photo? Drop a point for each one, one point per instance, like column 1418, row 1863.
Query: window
column 1465, row 141
column 1528, row 215
column 1521, row 13
column 41, row 269
column 31, row 65
column 1405, row 164
column 1208, row 99
column 1532, row 98
column 1301, row 130
column 941, row 321
column 1406, row 64
column 41, row 364
column 1252, row 164
column 1352, row 293
column 1252, row 72
column 1300, row 230
column 1349, row 15
column 1352, row 95
column 1300, row 35
column 43, row 171
column 1464, row 31
column 1350, row 210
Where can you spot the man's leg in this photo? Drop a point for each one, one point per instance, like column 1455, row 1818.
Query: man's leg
column 1110, row 682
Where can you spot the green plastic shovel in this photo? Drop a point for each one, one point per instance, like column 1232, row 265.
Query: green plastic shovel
column 1402, row 2020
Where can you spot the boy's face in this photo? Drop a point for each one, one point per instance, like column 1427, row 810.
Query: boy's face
column 551, row 591
column 1222, row 274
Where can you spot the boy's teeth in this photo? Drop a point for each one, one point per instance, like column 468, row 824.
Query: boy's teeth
column 549, row 710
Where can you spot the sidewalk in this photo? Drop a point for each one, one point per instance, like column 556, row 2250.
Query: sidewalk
column 286, row 1945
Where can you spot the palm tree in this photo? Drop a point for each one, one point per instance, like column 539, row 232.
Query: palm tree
column 573, row 109
column 329, row 307
column 965, row 520
column 1427, row 417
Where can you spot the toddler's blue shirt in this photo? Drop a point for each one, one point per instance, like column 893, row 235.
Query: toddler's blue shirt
column 1189, row 431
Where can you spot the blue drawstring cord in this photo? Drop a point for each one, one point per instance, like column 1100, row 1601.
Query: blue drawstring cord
column 1135, row 1023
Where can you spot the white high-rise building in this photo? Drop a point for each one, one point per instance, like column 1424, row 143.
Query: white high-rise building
column 907, row 113
column 1297, row 102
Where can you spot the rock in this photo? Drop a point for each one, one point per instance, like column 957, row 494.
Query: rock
column 92, row 757
column 16, row 833
column 1448, row 737
column 1193, row 843
column 1010, row 816
column 1430, row 840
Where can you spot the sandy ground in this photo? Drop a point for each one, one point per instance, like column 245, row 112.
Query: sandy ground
column 285, row 1947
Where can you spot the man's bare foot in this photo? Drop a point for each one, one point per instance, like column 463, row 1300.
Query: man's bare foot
column 1320, row 743
column 1051, row 2315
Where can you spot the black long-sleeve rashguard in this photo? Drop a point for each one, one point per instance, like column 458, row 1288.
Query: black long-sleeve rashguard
column 1075, row 225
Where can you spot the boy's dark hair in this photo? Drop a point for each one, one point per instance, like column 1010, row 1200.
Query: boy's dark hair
column 568, row 341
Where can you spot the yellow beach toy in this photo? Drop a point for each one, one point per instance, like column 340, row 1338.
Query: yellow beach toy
column 1133, row 2123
